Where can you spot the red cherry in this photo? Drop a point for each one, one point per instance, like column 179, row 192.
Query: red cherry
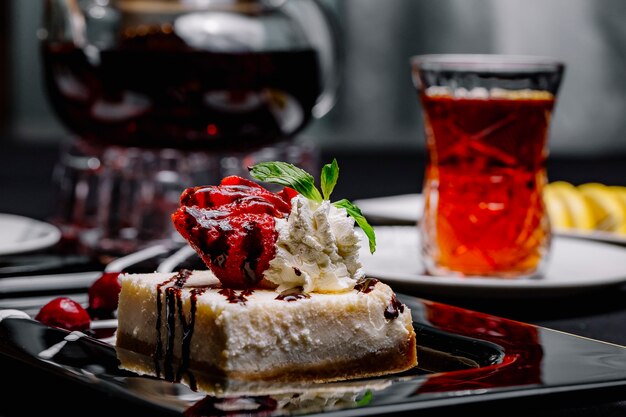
column 104, row 293
column 65, row 313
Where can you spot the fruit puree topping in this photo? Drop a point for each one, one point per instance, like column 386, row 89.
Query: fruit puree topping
column 249, row 236
column 232, row 227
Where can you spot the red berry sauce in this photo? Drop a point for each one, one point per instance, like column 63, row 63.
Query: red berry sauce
column 232, row 227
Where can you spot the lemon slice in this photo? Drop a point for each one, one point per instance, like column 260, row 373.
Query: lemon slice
column 560, row 217
column 609, row 209
column 579, row 208
column 620, row 192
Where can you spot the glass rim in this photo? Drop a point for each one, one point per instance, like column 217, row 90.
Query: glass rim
column 489, row 63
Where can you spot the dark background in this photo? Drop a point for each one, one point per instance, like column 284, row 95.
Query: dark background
column 376, row 107
column 375, row 127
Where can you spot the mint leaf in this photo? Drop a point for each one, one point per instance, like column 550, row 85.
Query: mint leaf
column 291, row 176
column 365, row 399
column 330, row 173
column 355, row 212
column 288, row 175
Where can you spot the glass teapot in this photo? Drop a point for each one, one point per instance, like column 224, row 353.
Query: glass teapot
column 225, row 75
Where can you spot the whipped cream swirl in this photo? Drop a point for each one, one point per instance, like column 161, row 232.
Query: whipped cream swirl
column 317, row 249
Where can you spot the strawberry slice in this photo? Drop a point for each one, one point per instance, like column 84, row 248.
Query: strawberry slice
column 232, row 227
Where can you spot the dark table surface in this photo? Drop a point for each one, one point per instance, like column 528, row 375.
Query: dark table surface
column 26, row 189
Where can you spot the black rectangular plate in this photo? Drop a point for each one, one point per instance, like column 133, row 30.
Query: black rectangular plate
column 465, row 358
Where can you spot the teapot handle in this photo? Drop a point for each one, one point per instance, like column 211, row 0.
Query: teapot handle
column 322, row 27
column 64, row 21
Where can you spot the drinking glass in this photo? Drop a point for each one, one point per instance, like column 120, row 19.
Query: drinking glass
column 160, row 95
column 486, row 121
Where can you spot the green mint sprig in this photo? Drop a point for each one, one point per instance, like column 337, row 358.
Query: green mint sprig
column 358, row 217
column 328, row 179
column 288, row 175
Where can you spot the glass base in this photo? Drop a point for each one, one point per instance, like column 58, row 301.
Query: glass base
column 435, row 269
column 116, row 200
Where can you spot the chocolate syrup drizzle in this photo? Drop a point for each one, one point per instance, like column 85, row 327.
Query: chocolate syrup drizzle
column 292, row 294
column 366, row 285
column 234, row 298
column 394, row 308
column 172, row 298
column 174, row 302
column 158, row 353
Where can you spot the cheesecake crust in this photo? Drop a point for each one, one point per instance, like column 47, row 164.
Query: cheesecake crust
column 400, row 359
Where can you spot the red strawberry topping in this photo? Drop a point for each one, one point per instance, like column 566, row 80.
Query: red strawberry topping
column 232, row 227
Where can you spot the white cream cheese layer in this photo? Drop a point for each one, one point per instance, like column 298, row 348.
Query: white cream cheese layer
column 317, row 249
column 263, row 334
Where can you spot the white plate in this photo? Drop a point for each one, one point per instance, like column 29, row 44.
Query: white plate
column 600, row 236
column 575, row 266
column 399, row 208
column 20, row 234
column 407, row 208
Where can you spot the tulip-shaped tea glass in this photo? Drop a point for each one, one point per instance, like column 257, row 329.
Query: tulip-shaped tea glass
column 486, row 120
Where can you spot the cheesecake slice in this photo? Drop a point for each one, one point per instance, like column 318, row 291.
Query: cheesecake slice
column 188, row 321
column 285, row 296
